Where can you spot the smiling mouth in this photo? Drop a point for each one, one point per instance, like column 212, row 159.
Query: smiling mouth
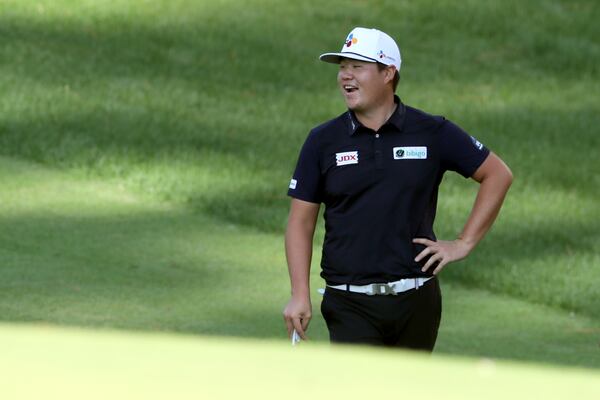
column 350, row 88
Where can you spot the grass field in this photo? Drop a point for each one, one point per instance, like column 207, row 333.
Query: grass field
column 146, row 149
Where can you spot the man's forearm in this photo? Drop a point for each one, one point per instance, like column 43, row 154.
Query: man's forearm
column 298, row 250
column 495, row 179
column 492, row 190
column 298, row 245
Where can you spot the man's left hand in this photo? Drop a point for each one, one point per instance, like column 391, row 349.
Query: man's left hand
column 441, row 252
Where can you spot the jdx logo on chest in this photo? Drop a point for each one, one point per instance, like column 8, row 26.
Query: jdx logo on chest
column 348, row 157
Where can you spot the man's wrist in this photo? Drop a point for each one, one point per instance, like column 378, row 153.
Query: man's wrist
column 301, row 293
column 468, row 243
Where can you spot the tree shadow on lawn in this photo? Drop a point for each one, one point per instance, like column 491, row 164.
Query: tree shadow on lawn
column 202, row 54
column 115, row 142
column 146, row 58
column 478, row 323
column 546, row 264
column 61, row 267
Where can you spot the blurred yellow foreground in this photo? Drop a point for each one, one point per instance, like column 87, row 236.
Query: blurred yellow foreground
column 39, row 362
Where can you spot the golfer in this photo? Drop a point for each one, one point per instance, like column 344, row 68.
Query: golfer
column 377, row 168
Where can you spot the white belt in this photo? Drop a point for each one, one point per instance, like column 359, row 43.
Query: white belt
column 384, row 288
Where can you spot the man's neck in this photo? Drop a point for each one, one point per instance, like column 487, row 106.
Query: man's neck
column 376, row 117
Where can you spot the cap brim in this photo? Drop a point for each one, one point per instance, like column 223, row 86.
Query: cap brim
column 335, row 58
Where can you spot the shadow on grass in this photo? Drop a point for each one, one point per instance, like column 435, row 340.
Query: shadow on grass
column 127, row 69
column 153, row 270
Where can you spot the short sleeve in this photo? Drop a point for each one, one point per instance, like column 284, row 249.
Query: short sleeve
column 459, row 151
column 306, row 181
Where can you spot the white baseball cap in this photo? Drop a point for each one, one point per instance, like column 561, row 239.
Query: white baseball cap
column 369, row 45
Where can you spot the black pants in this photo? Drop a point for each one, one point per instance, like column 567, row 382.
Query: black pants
column 410, row 319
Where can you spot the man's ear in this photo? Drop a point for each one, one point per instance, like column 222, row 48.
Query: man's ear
column 390, row 73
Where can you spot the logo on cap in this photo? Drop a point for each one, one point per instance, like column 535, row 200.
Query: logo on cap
column 381, row 54
column 350, row 40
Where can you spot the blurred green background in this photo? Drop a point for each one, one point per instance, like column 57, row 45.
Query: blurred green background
column 146, row 147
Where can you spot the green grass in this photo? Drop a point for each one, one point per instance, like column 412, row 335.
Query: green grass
column 147, row 146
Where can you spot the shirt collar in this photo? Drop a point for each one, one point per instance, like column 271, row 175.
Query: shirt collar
column 396, row 119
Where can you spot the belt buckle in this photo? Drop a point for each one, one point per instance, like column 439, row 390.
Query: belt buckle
column 382, row 288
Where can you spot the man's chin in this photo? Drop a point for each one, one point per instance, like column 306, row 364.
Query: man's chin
column 352, row 105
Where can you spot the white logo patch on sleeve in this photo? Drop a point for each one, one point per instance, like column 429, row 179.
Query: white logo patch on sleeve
column 348, row 157
column 477, row 143
column 293, row 183
column 410, row 153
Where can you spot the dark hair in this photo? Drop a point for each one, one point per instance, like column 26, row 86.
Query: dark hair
column 396, row 76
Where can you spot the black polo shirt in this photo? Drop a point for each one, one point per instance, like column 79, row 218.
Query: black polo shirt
column 380, row 189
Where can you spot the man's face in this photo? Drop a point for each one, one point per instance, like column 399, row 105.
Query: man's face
column 362, row 84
